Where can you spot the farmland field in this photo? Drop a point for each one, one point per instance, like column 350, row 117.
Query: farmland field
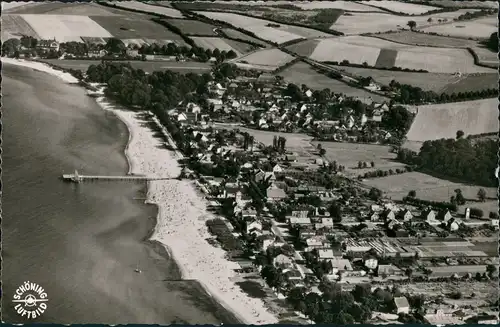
column 137, row 5
column 16, row 26
column 437, row 82
column 221, row 44
column 486, row 56
column 147, row 66
column 360, row 49
column 427, row 187
column 65, row 28
column 439, row 60
column 358, row 23
column 272, row 58
column 421, row 39
column 444, row 120
column 349, row 154
column 302, row 73
column 281, row 34
column 401, row 7
column 60, row 8
column 123, row 27
column 356, row 49
column 465, row 4
column 232, row 33
column 304, row 48
column 192, row 27
column 308, row 5
column 477, row 28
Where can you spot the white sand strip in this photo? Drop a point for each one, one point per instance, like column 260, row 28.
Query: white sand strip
column 67, row 77
column 182, row 214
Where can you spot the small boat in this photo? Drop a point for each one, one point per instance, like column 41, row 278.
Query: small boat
column 138, row 271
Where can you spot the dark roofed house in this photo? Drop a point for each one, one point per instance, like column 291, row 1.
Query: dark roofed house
column 404, row 215
column 429, row 215
column 444, row 215
column 388, row 215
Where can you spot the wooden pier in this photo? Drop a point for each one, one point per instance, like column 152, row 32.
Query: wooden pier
column 77, row 178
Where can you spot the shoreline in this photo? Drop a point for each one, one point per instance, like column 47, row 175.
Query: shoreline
column 180, row 218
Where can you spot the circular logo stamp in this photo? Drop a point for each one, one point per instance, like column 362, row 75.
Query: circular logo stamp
column 30, row 300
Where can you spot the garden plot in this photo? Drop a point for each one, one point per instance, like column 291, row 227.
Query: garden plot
column 124, row 27
column 421, row 39
column 259, row 27
column 444, row 120
column 192, row 27
column 302, row 73
column 359, row 22
column 267, row 58
column 212, row 43
column 65, row 28
column 14, row 26
column 439, row 60
column 427, row 187
column 355, row 49
column 401, row 7
column 60, row 8
column 349, row 154
column 141, row 6
column 477, row 28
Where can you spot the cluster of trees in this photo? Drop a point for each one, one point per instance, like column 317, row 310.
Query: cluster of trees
column 408, row 94
column 470, row 161
column 172, row 49
column 397, row 120
column 492, row 42
column 434, row 204
column 383, row 173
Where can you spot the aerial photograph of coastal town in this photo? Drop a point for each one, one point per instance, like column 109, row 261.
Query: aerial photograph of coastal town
column 250, row 162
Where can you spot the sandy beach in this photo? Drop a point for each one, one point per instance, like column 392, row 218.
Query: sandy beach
column 181, row 213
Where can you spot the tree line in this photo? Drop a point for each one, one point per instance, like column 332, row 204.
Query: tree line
column 469, row 160
column 408, row 94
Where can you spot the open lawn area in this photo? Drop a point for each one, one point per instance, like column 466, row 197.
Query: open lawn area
column 438, row 121
column 349, row 154
column 302, row 73
column 426, row 186
column 192, row 27
column 476, row 28
column 147, row 66
column 359, row 22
